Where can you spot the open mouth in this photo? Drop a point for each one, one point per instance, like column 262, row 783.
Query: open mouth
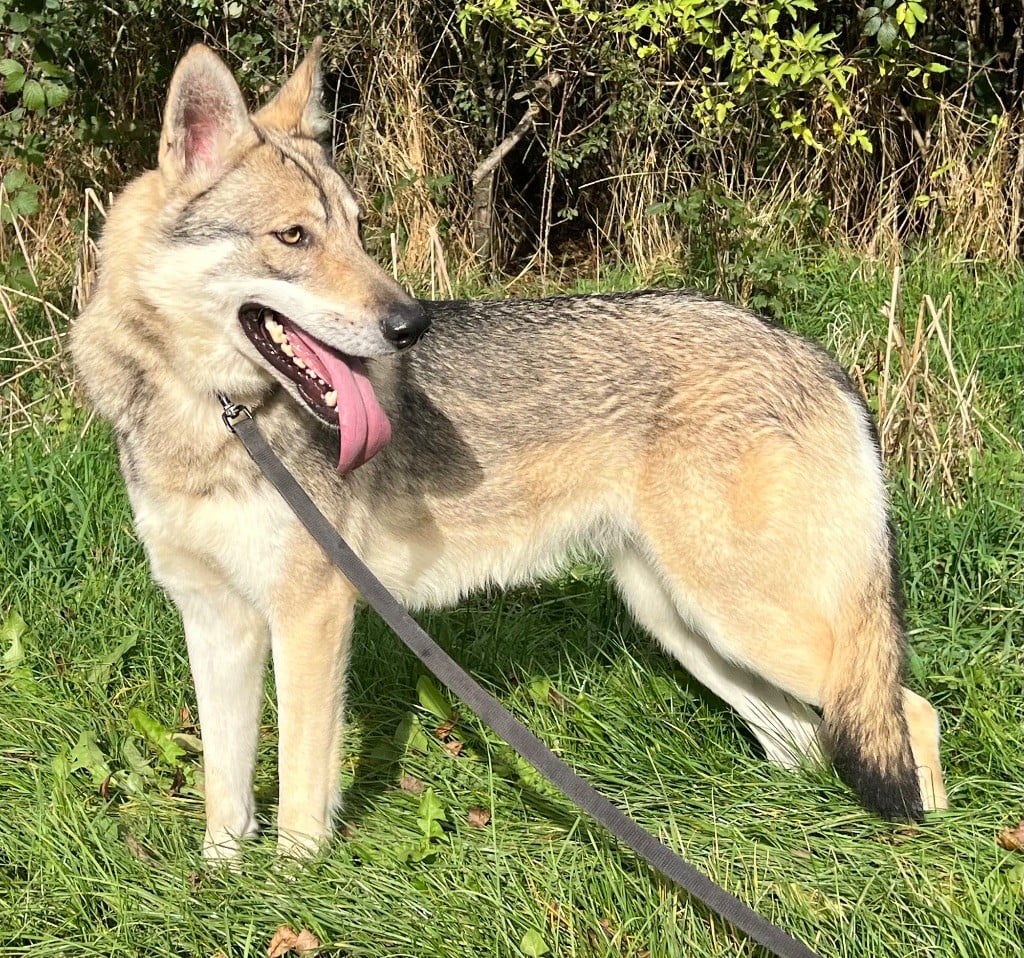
column 332, row 384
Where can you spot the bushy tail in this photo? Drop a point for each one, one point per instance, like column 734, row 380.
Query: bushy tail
column 865, row 718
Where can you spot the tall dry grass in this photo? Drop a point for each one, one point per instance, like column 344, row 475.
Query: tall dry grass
column 925, row 393
column 34, row 317
column 959, row 185
column 400, row 149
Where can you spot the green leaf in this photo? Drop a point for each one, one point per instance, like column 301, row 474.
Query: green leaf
column 10, row 67
column 56, row 93
column 410, row 734
column 19, row 23
column 540, row 690
column 88, row 757
column 14, row 179
column 26, row 201
column 47, row 69
column 100, row 672
column 533, row 944
column 157, row 735
column 136, row 761
column 431, row 814
column 886, row 36
column 872, row 26
column 33, row 97
column 432, row 699
column 14, row 82
column 10, row 638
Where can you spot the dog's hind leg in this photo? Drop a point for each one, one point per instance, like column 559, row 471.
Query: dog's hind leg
column 227, row 643
column 311, row 626
column 785, row 727
column 777, row 611
column 923, row 723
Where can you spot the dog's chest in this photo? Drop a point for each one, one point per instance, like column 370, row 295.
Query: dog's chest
column 225, row 536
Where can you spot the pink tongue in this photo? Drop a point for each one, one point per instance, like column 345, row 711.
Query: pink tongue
column 364, row 428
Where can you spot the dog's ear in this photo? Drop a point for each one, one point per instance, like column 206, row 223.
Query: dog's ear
column 296, row 109
column 205, row 120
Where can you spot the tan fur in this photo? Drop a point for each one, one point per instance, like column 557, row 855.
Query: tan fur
column 722, row 466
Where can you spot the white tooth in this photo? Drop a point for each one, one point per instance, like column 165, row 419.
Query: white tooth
column 331, row 398
column 287, row 349
column 277, row 334
column 298, row 362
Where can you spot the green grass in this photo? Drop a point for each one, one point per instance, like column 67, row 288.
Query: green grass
column 98, row 866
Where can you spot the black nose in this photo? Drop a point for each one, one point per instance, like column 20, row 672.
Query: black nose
column 406, row 325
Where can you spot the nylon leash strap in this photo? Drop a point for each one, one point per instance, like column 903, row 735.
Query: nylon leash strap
column 239, row 420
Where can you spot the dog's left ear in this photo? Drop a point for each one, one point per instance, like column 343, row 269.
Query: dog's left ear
column 296, row 109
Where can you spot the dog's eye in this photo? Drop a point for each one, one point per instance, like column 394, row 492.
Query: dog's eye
column 293, row 236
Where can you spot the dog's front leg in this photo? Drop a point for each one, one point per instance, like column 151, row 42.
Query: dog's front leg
column 311, row 629
column 227, row 643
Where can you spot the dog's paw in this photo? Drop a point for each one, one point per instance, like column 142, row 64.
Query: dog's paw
column 224, row 848
column 298, row 846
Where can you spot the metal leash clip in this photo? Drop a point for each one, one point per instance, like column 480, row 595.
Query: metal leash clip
column 233, row 412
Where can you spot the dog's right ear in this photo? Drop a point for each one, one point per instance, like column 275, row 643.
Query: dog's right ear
column 205, row 120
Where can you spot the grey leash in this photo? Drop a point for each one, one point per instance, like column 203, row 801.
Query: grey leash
column 659, row 856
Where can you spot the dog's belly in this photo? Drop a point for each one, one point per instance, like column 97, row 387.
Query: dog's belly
column 439, row 561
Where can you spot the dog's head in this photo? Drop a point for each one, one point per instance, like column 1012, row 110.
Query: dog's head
column 261, row 240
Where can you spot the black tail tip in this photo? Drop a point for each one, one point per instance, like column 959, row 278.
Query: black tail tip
column 894, row 796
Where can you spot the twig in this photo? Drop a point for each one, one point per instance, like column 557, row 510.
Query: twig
column 482, row 178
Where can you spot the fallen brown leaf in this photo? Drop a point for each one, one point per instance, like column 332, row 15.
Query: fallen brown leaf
column 409, row 783
column 347, row 830
column 177, row 782
column 136, row 847
column 454, row 747
column 286, row 939
column 1012, row 839
column 557, row 700
column 479, row 817
column 445, row 729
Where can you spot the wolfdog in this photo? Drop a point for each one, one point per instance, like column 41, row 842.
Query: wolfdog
column 725, row 469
